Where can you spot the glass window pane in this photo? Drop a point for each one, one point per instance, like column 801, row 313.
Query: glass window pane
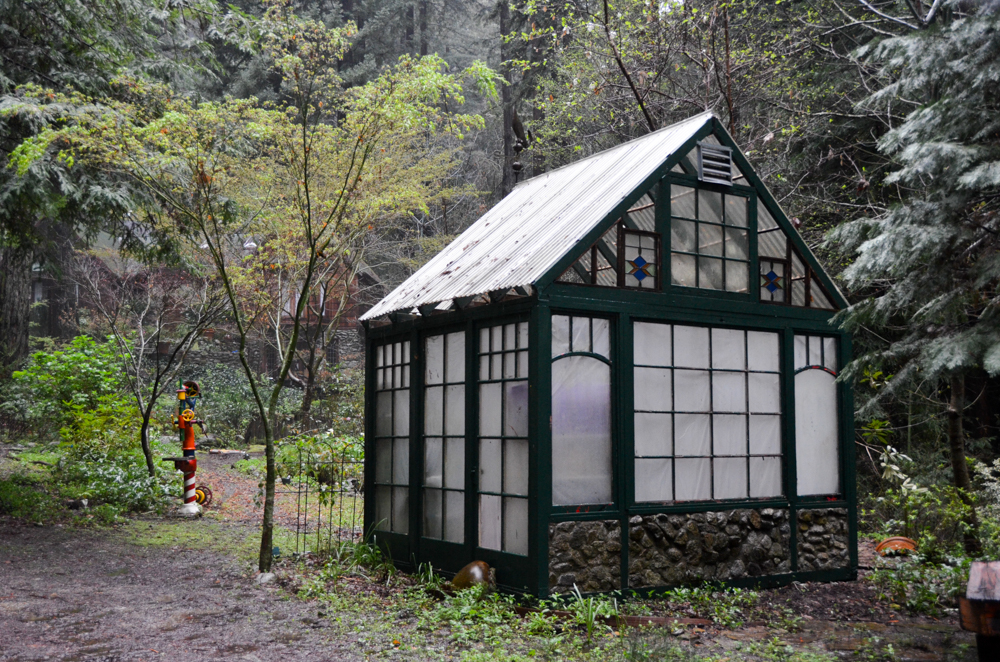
column 736, row 244
column 509, row 365
column 694, row 479
column 653, row 434
column 730, row 478
column 456, row 357
column 682, row 270
column 379, row 351
column 454, row 464
column 581, row 431
column 765, row 477
column 652, row 389
column 383, row 414
column 729, row 391
column 765, row 435
column 602, row 337
column 682, row 201
column 515, row 530
column 683, row 236
column 509, row 333
column 454, row 517
column 379, row 382
column 765, row 393
column 709, row 273
column 489, row 521
column 815, row 350
column 434, row 361
column 484, row 367
column 581, row 334
column 496, row 338
column 522, row 364
column 651, row 344
column 383, row 460
column 709, row 239
column 736, row 210
column 709, row 206
column 522, row 335
column 433, row 462
column 801, row 352
column 830, row 353
column 728, row 349
column 400, row 461
column 560, row 335
column 737, row 276
column 454, row 423
column 691, row 346
column 401, row 509
column 397, row 378
column 762, row 351
column 406, row 352
column 692, row 390
column 729, row 434
column 515, row 414
column 383, row 508
column 484, row 341
column 401, row 413
column 515, row 467
column 489, row 465
column 432, row 513
column 692, row 434
column 654, row 480
column 433, row 410
column 816, row 433
column 489, row 410
column 496, row 366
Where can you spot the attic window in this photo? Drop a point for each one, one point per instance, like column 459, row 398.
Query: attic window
column 715, row 164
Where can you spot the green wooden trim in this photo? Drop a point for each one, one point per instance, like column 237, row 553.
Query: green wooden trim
column 788, row 440
column 624, row 438
column 453, row 318
column 416, row 391
column 471, row 439
column 540, row 442
column 368, row 470
column 849, row 475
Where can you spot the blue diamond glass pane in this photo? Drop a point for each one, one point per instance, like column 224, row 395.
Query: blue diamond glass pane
column 771, row 276
column 771, row 287
column 639, row 275
column 639, row 262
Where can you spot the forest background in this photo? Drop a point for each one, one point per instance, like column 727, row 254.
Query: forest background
column 188, row 165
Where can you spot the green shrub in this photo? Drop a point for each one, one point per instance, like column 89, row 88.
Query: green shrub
column 227, row 405
column 21, row 498
column 935, row 517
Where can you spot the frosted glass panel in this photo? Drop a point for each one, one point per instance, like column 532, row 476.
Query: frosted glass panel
column 456, row 357
column 694, row 479
column 693, row 390
column 581, row 334
column 489, row 465
column 454, row 410
column 816, row 433
column 434, row 362
column 454, row 464
column 765, row 477
column 730, row 434
column 489, row 409
column 602, row 337
column 522, row 364
column 383, row 507
column 653, row 434
column 432, row 513
column 692, row 434
column 682, row 201
column 454, row 522
column 765, row 435
column 765, row 393
column 581, row 431
column 730, row 478
column 401, row 461
column 489, row 521
column 653, row 480
column 515, row 530
column 651, row 344
column 682, row 270
column 728, row 349
column 729, row 391
column 433, row 463
column 516, row 409
column 383, row 414
column 401, row 413
column 691, row 346
column 652, row 389
column 560, row 335
column 433, row 410
column 815, row 351
column 509, row 365
column 522, row 335
column 383, row 460
column 762, row 351
column 515, row 467
column 830, row 353
column 709, row 206
column 801, row 351
column 401, row 509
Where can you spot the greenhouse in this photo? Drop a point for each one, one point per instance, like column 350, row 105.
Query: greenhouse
column 622, row 376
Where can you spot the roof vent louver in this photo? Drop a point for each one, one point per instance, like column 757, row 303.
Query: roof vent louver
column 715, row 164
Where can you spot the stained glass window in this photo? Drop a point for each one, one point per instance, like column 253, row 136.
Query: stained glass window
column 708, row 239
column 444, row 437
column 817, row 426
column 707, row 413
column 503, row 438
column 784, row 276
column 392, row 436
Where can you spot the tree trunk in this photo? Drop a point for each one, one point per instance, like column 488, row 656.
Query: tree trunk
column 959, row 466
column 15, row 307
column 144, row 441
column 506, row 97
column 423, row 27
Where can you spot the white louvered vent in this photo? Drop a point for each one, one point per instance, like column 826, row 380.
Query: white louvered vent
column 715, row 164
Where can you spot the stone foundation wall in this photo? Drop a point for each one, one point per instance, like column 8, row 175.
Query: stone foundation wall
column 822, row 539
column 587, row 554
column 675, row 549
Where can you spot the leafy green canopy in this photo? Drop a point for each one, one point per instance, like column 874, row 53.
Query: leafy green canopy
column 931, row 264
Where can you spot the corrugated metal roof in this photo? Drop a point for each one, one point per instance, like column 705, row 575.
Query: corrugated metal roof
column 516, row 242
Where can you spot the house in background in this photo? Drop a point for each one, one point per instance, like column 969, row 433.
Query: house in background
column 623, row 376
